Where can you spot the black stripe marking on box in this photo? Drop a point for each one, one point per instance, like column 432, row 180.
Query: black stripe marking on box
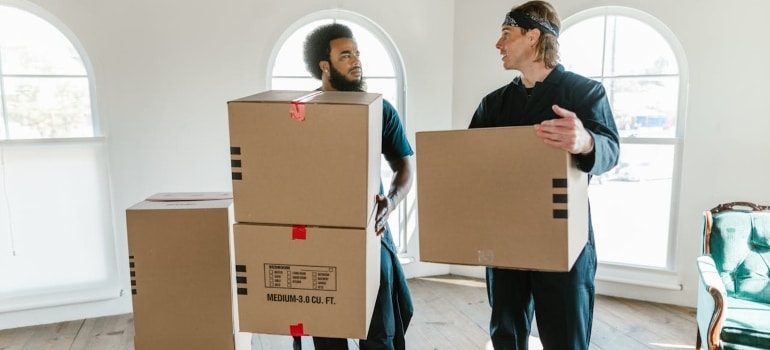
column 132, row 271
column 559, row 183
column 237, row 176
column 240, row 268
column 560, row 213
column 235, row 163
column 560, row 198
column 243, row 291
column 235, row 150
column 240, row 279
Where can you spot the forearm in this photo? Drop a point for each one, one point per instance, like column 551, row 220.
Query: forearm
column 401, row 182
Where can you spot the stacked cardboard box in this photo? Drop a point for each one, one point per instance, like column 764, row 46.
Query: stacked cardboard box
column 499, row 197
column 181, row 265
column 305, row 170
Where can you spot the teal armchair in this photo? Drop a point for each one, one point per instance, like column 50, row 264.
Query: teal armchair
column 734, row 289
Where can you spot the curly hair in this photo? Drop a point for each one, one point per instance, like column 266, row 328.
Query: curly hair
column 316, row 47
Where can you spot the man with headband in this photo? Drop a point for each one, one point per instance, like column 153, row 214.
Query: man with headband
column 569, row 112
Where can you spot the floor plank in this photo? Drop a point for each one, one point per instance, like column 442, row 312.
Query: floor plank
column 451, row 313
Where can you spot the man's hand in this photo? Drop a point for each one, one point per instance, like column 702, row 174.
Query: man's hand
column 384, row 206
column 566, row 133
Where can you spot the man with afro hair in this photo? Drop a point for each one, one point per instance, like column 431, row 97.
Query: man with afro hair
column 331, row 56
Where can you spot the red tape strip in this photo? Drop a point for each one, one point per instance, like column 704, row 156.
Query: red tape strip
column 297, row 111
column 297, row 330
column 298, row 232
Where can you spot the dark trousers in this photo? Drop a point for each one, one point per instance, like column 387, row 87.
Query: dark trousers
column 562, row 302
column 386, row 331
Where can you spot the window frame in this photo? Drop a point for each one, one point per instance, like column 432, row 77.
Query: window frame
column 110, row 286
column 665, row 277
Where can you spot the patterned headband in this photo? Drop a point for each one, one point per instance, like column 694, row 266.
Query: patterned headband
column 525, row 20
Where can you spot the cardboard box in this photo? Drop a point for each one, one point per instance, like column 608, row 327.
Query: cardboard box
column 499, row 197
column 182, row 271
column 295, row 280
column 310, row 158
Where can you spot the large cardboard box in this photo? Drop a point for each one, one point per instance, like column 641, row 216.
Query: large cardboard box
column 182, row 271
column 499, row 197
column 296, row 280
column 310, row 158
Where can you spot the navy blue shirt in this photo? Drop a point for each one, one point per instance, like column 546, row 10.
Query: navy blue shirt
column 510, row 105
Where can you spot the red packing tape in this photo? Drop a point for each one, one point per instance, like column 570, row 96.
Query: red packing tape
column 297, row 330
column 298, row 232
column 297, row 109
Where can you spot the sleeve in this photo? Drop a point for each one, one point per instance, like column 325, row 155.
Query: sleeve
column 479, row 116
column 394, row 142
column 596, row 115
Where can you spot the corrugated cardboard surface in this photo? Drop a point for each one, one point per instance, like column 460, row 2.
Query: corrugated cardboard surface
column 323, row 285
column 487, row 197
column 181, row 273
column 289, row 172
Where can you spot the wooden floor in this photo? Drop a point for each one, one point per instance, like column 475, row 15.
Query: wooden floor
column 451, row 312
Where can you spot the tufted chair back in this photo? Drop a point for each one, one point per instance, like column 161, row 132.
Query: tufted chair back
column 739, row 243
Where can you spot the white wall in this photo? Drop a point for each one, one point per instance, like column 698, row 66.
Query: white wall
column 165, row 69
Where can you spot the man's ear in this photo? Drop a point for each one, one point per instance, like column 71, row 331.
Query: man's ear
column 534, row 36
column 324, row 65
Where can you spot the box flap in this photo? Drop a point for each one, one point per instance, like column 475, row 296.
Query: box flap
column 185, row 200
column 328, row 97
column 274, row 96
column 189, row 196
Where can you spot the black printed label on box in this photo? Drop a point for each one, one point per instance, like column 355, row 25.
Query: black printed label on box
column 301, row 277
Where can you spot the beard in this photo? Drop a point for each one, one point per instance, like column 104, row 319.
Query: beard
column 341, row 83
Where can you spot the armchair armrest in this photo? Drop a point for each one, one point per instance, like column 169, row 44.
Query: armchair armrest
column 712, row 297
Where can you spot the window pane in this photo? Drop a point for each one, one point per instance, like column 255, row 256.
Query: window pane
column 386, row 87
column 625, row 54
column 630, row 206
column 580, row 47
column 48, row 107
column 289, row 62
column 301, row 84
column 644, row 107
column 375, row 59
column 68, row 183
column 30, row 45
column 3, row 134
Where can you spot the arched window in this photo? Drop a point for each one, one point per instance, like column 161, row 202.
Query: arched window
column 45, row 89
column 641, row 65
column 56, row 232
column 382, row 66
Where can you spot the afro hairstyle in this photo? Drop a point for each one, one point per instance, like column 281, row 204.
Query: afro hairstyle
column 317, row 48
